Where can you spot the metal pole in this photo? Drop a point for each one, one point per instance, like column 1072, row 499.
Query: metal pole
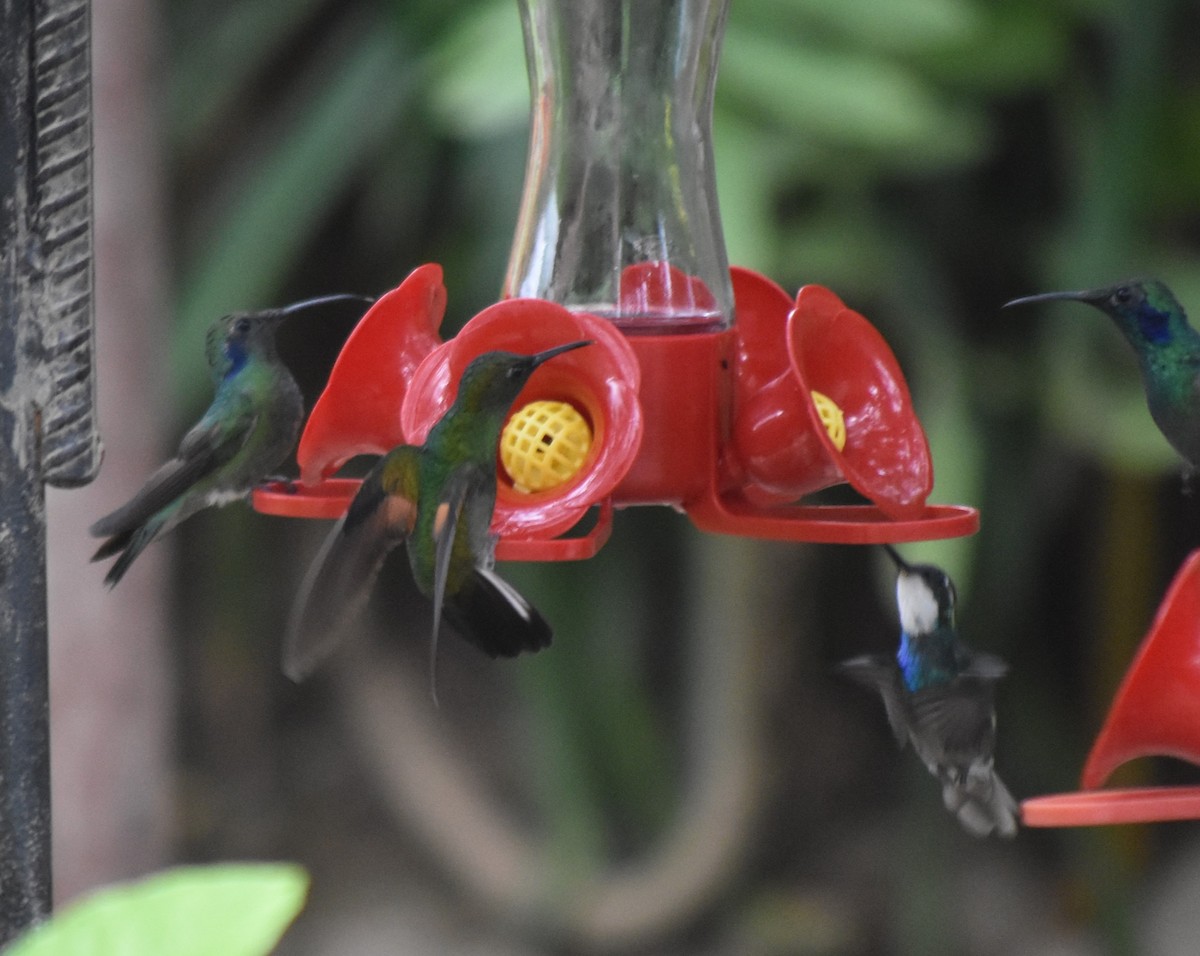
column 47, row 430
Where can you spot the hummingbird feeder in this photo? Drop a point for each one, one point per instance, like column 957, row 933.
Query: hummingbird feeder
column 1156, row 712
column 707, row 389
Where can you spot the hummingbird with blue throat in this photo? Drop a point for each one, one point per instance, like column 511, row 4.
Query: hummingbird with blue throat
column 438, row 499
column 1167, row 348
column 247, row 432
column 938, row 695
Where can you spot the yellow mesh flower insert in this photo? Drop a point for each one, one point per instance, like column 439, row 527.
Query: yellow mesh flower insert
column 832, row 418
column 544, row 445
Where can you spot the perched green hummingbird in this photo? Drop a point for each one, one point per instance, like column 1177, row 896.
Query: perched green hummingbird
column 247, row 432
column 938, row 694
column 438, row 498
column 1168, row 351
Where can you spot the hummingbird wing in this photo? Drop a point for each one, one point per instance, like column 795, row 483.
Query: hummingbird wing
column 485, row 609
column 954, row 723
column 457, row 487
column 184, row 485
column 984, row 666
column 208, row 445
column 881, row 672
column 379, row 518
column 461, row 482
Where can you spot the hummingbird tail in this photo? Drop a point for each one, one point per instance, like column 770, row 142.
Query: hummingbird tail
column 982, row 802
column 488, row 612
column 128, row 544
column 113, row 545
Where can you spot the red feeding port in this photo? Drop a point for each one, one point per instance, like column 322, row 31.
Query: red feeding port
column 358, row 413
column 1156, row 712
column 600, row 381
column 835, row 363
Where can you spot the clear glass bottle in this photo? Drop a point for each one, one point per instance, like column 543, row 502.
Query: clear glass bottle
column 619, row 212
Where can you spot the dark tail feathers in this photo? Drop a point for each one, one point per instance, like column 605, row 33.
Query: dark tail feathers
column 128, row 544
column 981, row 802
column 490, row 613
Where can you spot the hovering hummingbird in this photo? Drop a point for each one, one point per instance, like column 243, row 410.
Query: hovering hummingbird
column 438, row 498
column 938, row 694
column 1168, row 351
column 247, row 431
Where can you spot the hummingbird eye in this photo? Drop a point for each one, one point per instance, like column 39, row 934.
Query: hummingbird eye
column 241, row 326
column 1123, row 295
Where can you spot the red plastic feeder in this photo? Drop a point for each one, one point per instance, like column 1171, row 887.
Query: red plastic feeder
column 358, row 413
column 395, row 378
column 728, row 426
column 1156, row 712
column 820, row 399
column 600, row 381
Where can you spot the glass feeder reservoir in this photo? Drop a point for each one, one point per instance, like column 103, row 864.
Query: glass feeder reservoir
column 619, row 214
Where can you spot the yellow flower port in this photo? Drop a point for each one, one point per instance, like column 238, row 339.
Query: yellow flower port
column 832, row 418
column 544, row 445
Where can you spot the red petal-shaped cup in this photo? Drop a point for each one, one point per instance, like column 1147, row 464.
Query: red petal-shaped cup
column 762, row 309
column 1156, row 710
column 358, row 413
column 601, row 381
column 781, row 446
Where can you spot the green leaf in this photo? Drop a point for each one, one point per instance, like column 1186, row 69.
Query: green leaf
column 212, row 70
column 226, row 910
column 944, row 367
column 851, row 99
column 1020, row 46
column 478, row 80
column 747, row 180
column 261, row 227
column 894, row 25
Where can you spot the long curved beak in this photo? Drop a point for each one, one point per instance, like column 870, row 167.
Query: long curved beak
column 545, row 356
column 900, row 563
column 1088, row 295
column 295, row 307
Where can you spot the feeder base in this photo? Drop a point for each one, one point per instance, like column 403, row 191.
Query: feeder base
column 1092, row 808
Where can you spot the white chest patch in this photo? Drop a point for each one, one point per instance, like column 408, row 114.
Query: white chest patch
column 220, row 498
column 917, row 604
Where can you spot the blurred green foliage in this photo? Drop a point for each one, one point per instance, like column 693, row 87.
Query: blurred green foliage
column 928, row 159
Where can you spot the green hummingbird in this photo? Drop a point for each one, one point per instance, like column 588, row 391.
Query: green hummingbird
column 247, row 432
column 1168, row 351
column 938, row 695
column 438, row 498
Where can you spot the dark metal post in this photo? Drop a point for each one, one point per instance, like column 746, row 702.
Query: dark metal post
column 47, row 431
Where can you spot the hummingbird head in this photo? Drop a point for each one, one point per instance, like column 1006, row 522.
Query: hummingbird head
column 1145, row 310
column 235, row 338
column 494, row 379
column 925, row 596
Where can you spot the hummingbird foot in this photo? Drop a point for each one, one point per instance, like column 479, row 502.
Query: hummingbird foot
column 280, row 484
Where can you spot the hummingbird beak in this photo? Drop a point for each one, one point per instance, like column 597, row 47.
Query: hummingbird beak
column 295, row 307
column 901, row 565
column 545, row 356
column 1091, row 296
